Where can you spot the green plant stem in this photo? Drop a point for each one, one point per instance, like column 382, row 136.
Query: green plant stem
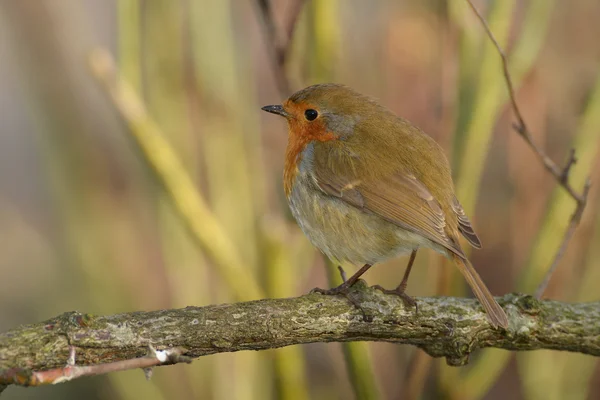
column 484, row 372
column 204, row 227
column 359, row 364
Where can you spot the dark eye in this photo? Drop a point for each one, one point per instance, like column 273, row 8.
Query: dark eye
column 311, row 114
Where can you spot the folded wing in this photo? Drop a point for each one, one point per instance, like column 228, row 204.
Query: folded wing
column 399, row 198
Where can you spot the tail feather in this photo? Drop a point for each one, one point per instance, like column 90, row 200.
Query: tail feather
column 495, row 313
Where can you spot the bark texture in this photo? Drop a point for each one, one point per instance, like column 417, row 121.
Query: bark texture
column 443, row 327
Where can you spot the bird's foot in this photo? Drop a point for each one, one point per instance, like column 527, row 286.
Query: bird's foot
column 344, row 290
column 400, row 292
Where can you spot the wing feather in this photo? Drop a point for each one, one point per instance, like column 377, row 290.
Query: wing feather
column 464, row 225
column 399, row 198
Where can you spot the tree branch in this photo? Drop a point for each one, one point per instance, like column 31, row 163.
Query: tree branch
column 560, row 174
column 52, row 351
column 279, row 43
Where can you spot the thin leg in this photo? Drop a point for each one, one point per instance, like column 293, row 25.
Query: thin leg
column 402, row 285
column 400, row 290
column 344, row 287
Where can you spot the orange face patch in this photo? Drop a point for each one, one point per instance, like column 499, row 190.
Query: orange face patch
column 301, row 133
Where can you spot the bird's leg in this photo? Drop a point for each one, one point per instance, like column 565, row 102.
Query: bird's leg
column 400, row 290
column 346, row 285
column 342, row 273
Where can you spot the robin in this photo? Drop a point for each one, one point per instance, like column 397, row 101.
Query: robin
column 366, row 185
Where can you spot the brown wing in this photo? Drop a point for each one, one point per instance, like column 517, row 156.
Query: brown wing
column 400, row 199
column 464, row 225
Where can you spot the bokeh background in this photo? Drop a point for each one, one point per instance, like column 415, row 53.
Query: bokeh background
column 87, row 223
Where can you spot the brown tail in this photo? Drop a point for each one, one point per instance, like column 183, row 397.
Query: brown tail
column 496, row 314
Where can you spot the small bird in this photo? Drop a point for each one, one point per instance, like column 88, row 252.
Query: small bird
column 366, row 185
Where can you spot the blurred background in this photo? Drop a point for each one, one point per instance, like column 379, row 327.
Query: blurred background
column 163, row 188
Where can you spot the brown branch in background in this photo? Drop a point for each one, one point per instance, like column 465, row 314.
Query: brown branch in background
column 44, row 353
column 575, row 219
column 278, row 43
column 560, row 174
column 71, row 371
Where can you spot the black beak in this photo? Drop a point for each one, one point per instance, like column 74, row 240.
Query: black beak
column 276, row 110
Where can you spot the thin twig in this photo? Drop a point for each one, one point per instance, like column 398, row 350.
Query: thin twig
column 572, row 160
column 289, row 32
column 72, row 371
column 278, row 44
column 575, row 219
column 560, row 174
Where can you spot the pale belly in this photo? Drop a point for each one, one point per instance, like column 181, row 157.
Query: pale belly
column 343, row 232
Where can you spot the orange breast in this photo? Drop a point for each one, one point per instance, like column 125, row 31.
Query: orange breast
column 300, row 134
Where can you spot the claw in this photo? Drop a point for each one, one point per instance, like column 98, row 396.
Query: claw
column 344, row 290
column 399, row 291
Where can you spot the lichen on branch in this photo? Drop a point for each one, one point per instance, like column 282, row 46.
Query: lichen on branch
column 443, row 327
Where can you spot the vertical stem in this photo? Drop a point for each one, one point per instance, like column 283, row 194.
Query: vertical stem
column 282, row 281
column 129, row 41
column 542, row 366
column 359, row 364
column 485, row 370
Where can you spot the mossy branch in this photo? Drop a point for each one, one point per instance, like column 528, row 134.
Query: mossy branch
column 75, row 344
